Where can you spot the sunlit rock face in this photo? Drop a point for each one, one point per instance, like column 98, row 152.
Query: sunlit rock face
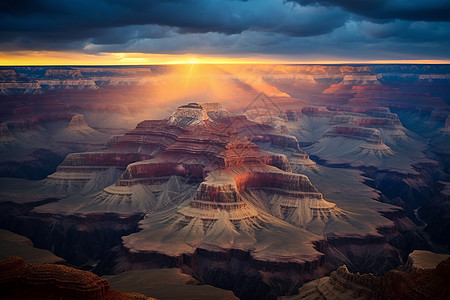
column 190, row 114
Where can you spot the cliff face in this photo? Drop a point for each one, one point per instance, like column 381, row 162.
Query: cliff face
column 189, row 143
column 371, row 136
column 359, row 136
column 350, row 81
column 422, row 284
column 19, row 280
column 70, row 78
column 192, row 113
column 404, row 283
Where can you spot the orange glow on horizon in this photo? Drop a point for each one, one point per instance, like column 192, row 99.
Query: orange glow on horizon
column 48, row 58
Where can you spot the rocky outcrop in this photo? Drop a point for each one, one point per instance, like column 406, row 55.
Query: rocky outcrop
column 68, row 84
column 386, row 120
column 80, row 78
column 187, row 144
column 431, row 282
column 7, row 74
column 20, row 88
column 439, row 115
column 63, row 73
column 189, row 114
column 116, row 76
column 82, row 240
column 360, row 80
column 65, row 79
column 434, row 77
column 238, row 153
column 77, row 121
column 352, row 80
column 88, row 71
column 147, row 140
column 370, row 135
column 19, row 280
column 361, row 136
column 421, row 260
column 317, row 111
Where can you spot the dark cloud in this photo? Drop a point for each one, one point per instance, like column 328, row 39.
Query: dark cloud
column 90, row 19
column 351, row 28
column 413, row 10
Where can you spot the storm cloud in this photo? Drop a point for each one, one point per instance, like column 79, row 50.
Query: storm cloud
column 374, row 29
column 414, row 10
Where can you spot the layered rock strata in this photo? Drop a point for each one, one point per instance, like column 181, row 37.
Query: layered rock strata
column 431, row 282
column 181, row 145
column 19, row 280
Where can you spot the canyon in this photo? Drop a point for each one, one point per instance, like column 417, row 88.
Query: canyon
column 298, row 170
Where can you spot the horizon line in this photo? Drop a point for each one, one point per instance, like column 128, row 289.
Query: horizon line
column 388, row 62
column 29, row 58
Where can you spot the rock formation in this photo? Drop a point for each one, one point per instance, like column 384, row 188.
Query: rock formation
column 358, row 136
column 425, row 276
column 19, row 280
column 208, row 189
column 431, row 281
column 350, row 81
column 182, row 145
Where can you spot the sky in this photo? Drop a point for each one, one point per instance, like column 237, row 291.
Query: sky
column 174, row 31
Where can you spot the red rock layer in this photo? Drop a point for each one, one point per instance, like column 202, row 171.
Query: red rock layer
column 240, row 153
column 245, row 167
column 146, row 141
column 280, row 181
column 317, row 111
column 19, row 280
column 192, row 151
column 256, row 132
column 370, row 135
